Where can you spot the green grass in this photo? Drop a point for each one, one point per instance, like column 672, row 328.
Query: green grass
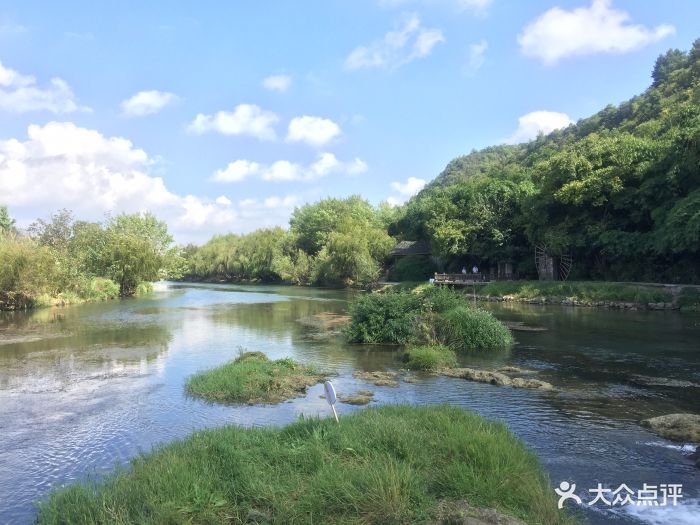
column 253, row 378
column 429, row 357
column 465, row 328
column 584, row 291
column 389, row 465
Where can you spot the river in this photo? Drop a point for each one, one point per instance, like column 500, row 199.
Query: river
column 86, row 387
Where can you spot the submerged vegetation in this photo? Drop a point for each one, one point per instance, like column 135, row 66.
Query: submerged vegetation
column 425, row 315
column 253, row 378
column 395, row 464
column 64, row 261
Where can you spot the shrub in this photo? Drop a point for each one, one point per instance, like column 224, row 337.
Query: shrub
column 384, row 318
column 464, row 329
column 429, row 357
column 412, row 268
column 689, row 300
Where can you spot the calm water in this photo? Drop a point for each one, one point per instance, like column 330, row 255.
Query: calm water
column 85, row 387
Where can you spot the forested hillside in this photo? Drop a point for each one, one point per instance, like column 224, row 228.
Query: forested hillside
column 619, row 191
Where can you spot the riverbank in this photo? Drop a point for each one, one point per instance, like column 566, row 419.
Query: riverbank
column 395, row 464
column 95, row 290
column 601, row 294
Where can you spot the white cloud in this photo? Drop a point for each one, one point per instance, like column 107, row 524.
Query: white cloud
column 406, row 190
column 538, row 122
column 277, row 82
column 600, row 28
column 408, row 42
column 477, row 54
column 236, row 171
column 61, row 165
column 315, row 131
column 147, row 102
column 20, row 94
column 245, row 119
column 286, row 171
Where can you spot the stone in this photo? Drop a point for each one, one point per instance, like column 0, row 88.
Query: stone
column 495, row 378
column 462, row 513
column 676, row 427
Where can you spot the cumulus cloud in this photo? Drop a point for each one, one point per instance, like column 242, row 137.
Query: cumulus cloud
column 277, row 82
column 538, row 122
column 147, row 102
column 61, row 165
column 406, row 43
column 20, row 94
column 287, row 171
column 236, row 171
column 315, row 131
column 405, row 190
column 599, row 28
column 245, row 119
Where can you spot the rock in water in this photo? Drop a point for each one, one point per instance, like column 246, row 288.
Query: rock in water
column 676, row 427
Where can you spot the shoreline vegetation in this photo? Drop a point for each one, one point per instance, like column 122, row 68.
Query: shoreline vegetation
column 252, row 378
column 393, row 464
column 64, row 261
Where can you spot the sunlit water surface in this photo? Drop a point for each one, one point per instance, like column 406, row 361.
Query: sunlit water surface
column 87, row 387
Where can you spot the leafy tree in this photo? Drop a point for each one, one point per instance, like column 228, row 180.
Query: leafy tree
column 7, row 223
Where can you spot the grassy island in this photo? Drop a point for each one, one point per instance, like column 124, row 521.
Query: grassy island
column 253, row 378
column 395, row 464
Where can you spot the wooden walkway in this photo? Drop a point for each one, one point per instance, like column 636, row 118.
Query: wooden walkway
column 460, row 279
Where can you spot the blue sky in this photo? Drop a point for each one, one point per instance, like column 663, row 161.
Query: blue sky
column 164, row 106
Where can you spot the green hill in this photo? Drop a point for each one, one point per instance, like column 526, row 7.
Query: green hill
column 618, row 191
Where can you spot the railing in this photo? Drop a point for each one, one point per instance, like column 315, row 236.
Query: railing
column 460, row 278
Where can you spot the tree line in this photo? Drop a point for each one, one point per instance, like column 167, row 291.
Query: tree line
column 64, row 260
column 619, row 191
column 333, row 242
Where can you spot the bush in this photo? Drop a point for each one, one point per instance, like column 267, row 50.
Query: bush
column 412, row 268
column 393, row 464
column 464, row 329
column 429, row 357
column 384, row 318
column 144, row 288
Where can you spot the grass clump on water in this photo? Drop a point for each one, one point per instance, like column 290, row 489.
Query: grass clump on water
column 464, row 328
column 253, row 378
column 389, row 465
column 429, row 357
